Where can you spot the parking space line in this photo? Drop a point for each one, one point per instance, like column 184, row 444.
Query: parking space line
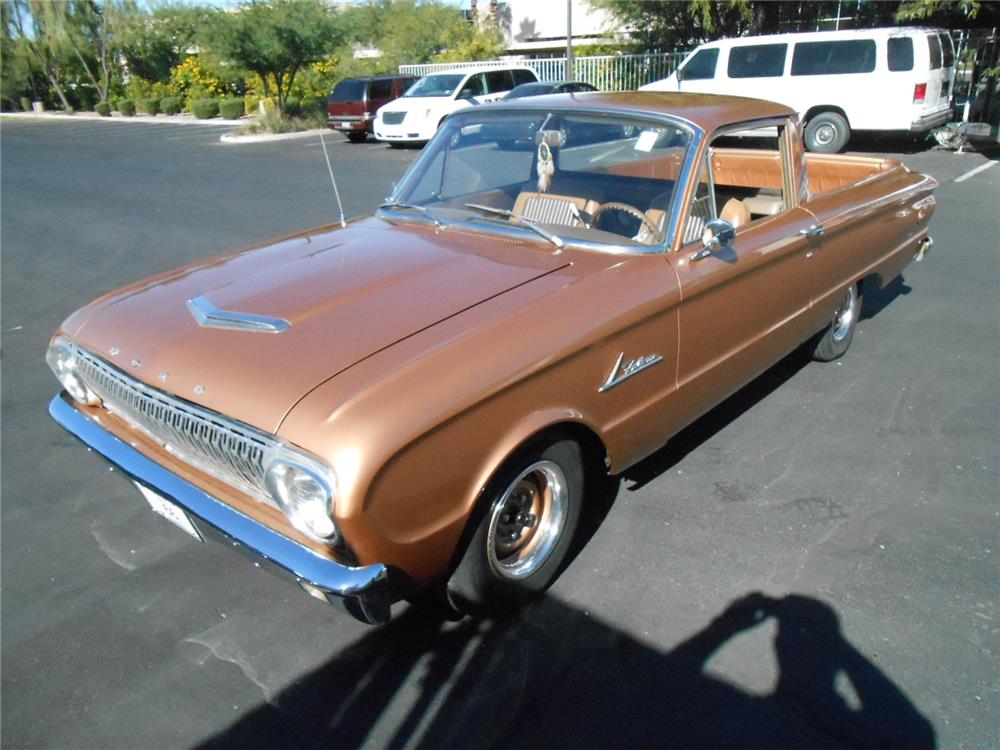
column 974, row 172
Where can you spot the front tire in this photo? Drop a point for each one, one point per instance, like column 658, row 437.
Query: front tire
column 527, row 520
column 827, row 133
column 836, row 339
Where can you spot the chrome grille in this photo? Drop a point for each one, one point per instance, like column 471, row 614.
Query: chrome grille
column 205, row 439
column 393, row 118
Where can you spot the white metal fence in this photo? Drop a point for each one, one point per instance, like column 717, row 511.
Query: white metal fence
column 606, row 72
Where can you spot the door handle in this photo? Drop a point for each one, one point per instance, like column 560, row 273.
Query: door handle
column 813, row 230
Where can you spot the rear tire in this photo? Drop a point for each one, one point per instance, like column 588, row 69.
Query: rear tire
column 836, row 339
column 524, row 529
column 827, row 133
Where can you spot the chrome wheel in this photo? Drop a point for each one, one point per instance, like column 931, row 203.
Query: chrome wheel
column 825, row 135
column 843, row 318
column 527, row 520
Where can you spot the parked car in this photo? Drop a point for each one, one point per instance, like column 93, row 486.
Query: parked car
column 423, row 400
column 417, row 115
column 352, row 105
column 549, row 87
column 838, row 81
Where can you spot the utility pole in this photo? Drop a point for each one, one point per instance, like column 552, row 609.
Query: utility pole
column 569, row 40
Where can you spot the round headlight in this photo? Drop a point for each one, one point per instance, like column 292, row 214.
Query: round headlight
column 305, row 495
column 62, row 359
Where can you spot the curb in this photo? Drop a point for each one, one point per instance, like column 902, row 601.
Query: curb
column 115, row 117
column 233, row 138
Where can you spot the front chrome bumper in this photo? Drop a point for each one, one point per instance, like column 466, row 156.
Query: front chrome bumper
column 364, row 591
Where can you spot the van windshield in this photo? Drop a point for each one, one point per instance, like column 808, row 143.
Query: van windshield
column 439, row 84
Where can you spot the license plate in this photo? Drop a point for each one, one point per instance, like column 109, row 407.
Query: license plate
column 344, row 126
column 169, row 511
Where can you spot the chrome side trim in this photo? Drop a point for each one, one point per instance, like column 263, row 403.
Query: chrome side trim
column 620, row 373
column 209, row 316
column 364, row 591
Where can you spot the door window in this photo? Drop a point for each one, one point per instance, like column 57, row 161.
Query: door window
column 757, row 61
column 701, row 66
column 523, row 76
column 934, row 47
column 498, row 80
column 473, row 87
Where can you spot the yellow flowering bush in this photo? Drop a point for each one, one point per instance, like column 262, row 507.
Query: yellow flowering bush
column 193, row 81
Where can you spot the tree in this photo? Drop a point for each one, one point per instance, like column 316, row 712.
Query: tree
column 37, row 29
column 151, row 44
column 274, row 39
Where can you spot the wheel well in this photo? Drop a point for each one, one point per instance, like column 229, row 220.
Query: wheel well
column 820, row 109
column 595, row 455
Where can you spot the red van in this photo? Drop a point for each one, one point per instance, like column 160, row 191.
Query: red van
column 352, row 106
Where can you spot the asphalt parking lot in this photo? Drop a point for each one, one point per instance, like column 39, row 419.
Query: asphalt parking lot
column 856, row 504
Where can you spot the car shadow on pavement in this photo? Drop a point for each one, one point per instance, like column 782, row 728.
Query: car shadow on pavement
column 553, row 676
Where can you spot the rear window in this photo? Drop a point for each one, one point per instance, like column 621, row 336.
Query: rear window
column 381, row 88
column 757, row 61
column 934, row 47
column 833, row 58
column 701, row 66
column 349, row 90
column 900, row 53
column 947, row 51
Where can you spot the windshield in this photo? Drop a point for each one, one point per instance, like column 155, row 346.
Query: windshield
column 581, row 176
column 441, row 84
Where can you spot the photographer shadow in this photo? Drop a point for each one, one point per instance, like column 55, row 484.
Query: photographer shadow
column 555, row 677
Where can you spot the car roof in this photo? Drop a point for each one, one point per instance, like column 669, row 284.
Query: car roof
column 479, row 69
column 707, row 111
column 820, row 36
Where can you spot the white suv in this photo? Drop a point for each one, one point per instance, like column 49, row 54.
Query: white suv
column 864, row 79
column 417, row 114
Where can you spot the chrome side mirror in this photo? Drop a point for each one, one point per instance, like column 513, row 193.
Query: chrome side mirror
column 717, row 235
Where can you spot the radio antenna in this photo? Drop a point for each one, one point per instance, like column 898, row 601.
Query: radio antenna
column 329, row 166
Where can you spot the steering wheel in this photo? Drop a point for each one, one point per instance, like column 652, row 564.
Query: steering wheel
column 627, row 209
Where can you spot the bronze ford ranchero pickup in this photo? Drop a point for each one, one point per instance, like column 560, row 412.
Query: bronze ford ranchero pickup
column 418, row 404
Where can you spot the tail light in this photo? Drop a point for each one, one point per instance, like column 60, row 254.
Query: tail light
column 919, row 92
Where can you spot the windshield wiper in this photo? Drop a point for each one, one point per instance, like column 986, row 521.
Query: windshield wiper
column 419, row 209
column 518, row 219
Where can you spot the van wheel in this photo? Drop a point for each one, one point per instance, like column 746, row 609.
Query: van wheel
column 529, row 514
column 827, row 133
column 838, row 336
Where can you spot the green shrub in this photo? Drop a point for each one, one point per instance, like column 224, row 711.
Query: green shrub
column 171, row 105
column 231, row 109
column 103, row 109
column 293, row 106
column 25, row 104
column 204, row 109
column 149, row 105
column 126, row 107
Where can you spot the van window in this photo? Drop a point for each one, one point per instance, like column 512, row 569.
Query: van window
column 473, row 87
column 833, row 58
column 498, row 80
column 947, row 51
column 757, row 61
column 380, row 88
column 523, row 76
column 900, row 53
column 934, row 47
column 701, row 66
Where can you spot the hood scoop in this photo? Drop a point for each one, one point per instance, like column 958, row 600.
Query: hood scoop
column 209, row 316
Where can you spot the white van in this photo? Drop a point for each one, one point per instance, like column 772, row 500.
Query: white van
column 874, row 79
column 417, row 114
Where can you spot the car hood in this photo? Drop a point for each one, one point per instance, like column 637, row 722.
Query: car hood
column 345, row 293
